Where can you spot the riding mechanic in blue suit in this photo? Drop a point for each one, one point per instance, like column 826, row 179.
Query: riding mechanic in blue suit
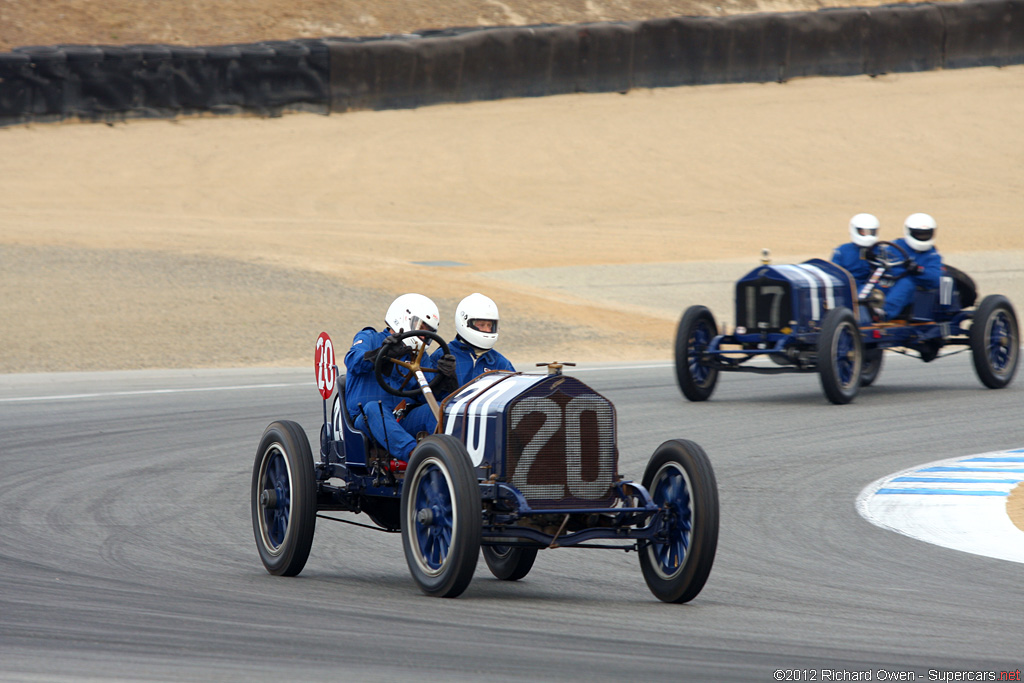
column 476, row 328
column 370, row 406
column 472, row 350
column 924, row 271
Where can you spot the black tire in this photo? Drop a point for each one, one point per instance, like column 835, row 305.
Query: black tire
column 995, row 341
column 840, row 355
column 509, row 563
column 441, row 516
column 679, row 476
column 696, row 330
column 284, row 498
column 871, row 367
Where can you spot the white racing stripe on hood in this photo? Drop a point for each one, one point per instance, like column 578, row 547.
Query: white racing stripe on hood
column 798, row 271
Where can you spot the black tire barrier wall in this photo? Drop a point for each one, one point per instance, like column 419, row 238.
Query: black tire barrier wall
column 103, row 83
column 461, row 65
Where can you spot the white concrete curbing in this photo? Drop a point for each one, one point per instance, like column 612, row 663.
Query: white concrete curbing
column 959, row 503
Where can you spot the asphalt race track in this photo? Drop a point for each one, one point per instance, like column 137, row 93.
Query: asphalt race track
column 126, row 548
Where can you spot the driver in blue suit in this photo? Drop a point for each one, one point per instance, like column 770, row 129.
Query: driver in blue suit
column 369, row 405
column 924, row 271
column 851, row 256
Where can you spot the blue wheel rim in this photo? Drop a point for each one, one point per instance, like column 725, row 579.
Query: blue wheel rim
column 434, row 531
column 699, row 340
column 999, row 351
column 276, row 478
column 844, row 356
column 672, row 493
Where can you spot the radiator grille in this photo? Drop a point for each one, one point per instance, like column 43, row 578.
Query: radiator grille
column 764, row 302
column 561, row 445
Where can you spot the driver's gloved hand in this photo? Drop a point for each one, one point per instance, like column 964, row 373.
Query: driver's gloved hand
column 391, row 348
column 915, row 269
column 394, row 348
column 446, row 368
column 371, row 356
column 446, row 365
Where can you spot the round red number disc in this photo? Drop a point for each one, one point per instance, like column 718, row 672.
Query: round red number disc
column 323, row 363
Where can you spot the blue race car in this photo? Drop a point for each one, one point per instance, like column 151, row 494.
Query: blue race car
column 520, row 463
column 810, row 317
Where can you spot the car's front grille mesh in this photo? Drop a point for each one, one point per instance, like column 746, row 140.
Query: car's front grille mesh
column 561, row 445
column 763, row 303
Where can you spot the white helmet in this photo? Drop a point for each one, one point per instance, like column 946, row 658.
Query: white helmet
column 919, row 231
column 474, row 308
column 864, row 229
column 412, row 312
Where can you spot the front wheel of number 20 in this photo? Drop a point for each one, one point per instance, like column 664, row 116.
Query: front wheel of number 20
column 441, row 517
column 681, row 482
column 284, row 498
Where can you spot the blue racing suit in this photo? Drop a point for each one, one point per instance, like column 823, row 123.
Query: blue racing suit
column 902, row 290
column 371, row 408
column 851, row 257
column 468, row 365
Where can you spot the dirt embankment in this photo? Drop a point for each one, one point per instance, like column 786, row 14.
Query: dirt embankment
column 216, row 22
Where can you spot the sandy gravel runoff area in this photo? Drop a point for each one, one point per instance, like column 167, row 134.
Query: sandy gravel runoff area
column 593, row 220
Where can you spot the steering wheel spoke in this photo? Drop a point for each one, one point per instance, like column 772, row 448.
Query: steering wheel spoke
column 405, row 381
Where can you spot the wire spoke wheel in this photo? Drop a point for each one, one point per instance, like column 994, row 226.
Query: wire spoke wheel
column 840, row 356
column 672, row 492
column 677, row 562
column 441, row 516
column 283, row 496
column 995, row 341
column 694, row 335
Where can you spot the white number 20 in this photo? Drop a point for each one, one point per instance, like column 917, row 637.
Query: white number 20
column 572, row 418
